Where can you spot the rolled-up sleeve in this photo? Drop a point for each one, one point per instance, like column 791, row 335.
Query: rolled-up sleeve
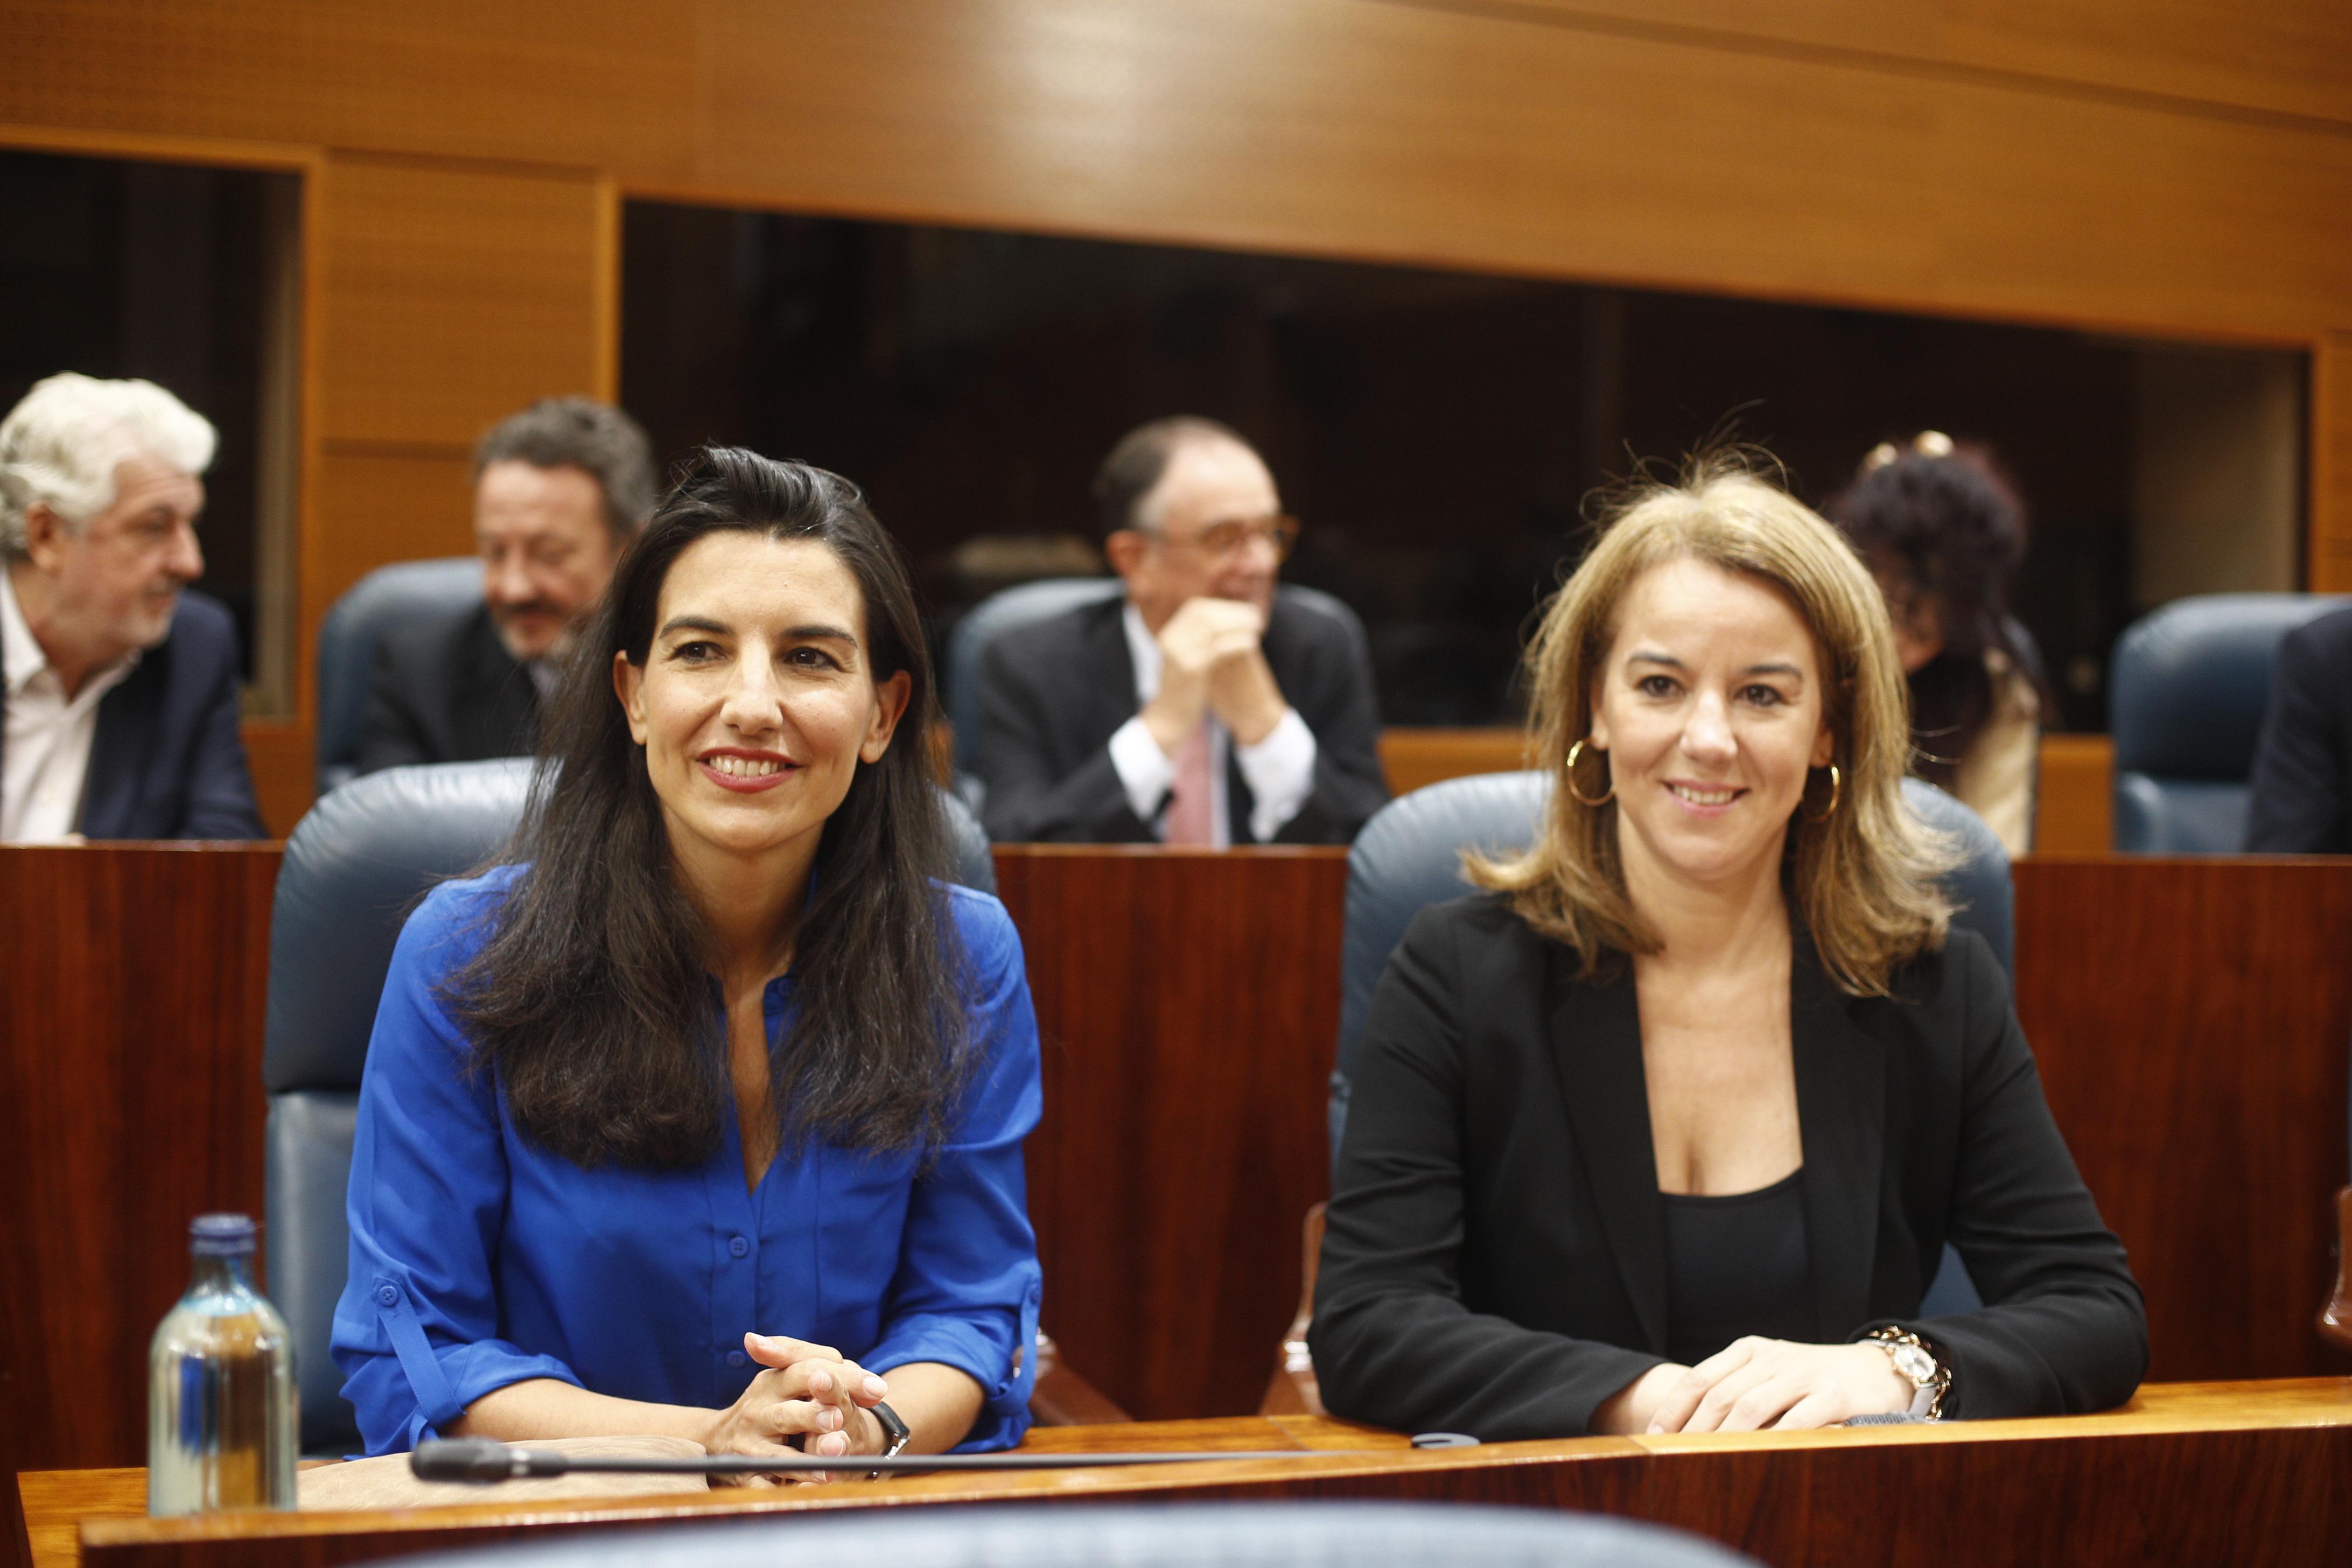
column 416, row 1330
column 966, row 1289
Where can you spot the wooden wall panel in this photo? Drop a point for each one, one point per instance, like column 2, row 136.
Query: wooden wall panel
column 1483, row 135
column 130, row 1101
column 455, row 295
column 1188, row 1002
column 2288, row 57
column 2193, row 1021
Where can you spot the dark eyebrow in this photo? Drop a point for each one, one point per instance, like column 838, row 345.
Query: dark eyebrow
column 820, row 633
column 695, row 624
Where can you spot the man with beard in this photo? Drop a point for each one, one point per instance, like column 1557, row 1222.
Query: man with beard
column 118, row 688
column 559, row 491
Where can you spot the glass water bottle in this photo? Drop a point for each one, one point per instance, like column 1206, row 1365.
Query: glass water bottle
column 220, row 1395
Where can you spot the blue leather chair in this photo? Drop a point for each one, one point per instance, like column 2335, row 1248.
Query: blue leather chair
column 384, row 598
column 1408, row 856
column 1028, row 602
column 354, row 868
column 2190, row 683
column 1135, row 1535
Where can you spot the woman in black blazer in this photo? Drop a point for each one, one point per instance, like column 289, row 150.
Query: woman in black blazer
column 1666, row 1130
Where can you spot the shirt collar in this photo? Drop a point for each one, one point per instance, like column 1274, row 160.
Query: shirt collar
column 20, row 652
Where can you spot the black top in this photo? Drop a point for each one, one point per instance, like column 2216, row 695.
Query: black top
column 446, row 689
column 2302, row 800
column 1737, row 1264
column 1053, row 694
column 1494, row 1252
column 167, row 758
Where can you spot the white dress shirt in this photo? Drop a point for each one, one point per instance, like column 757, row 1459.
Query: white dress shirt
column 44, row 757
column 1280, row 769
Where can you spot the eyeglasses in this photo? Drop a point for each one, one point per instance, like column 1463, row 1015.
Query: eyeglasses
column 1229, row 538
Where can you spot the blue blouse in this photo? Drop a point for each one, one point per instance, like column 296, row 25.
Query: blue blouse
column 478, row 1258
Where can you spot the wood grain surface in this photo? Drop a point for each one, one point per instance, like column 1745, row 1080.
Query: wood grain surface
column 2245, row 1472
column 1188, row 1001
column 129, row 1102
column 2192, row 1020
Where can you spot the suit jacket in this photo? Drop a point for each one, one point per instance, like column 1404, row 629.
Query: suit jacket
column 1053, row 694
column 2302, row 801
column 1494, row 1260
column 166, row 760
column 446, row 690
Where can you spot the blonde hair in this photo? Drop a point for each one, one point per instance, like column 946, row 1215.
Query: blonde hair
column 1863, row 877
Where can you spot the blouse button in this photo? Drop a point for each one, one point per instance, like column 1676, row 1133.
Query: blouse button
column 388, row 1294
column 737, row 1358
column 739, row 1247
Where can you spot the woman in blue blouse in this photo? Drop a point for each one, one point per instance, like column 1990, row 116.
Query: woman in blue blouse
column 701, row 1114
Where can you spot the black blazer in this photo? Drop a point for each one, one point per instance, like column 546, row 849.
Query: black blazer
column 2302, row 801
column 1494, row 1257
column 1053, row 694
column 166, row 760
column 446, row 690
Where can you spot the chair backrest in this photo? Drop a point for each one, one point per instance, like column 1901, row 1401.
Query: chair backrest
column 354, row 869
column 1009, row 610
column 1408, row 856
column 2190, row 684
column 1135, row 1535
column 1030, row 603
column 384, row 598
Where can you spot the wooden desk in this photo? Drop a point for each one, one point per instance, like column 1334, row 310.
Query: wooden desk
column 2185, row 1473
column 2191, row 1017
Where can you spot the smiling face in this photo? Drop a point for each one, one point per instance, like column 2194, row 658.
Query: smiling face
column 547, row 552
column 1710, row 707
column 757, row 701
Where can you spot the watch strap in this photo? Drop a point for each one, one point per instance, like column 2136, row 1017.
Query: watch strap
column 896, row 1433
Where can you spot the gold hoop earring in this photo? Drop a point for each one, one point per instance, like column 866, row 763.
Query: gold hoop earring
column 1830, row 810
column 1606, row 795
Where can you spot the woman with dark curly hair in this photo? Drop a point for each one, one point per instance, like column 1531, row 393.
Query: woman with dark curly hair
column 700, row 1115
column 1944, row 535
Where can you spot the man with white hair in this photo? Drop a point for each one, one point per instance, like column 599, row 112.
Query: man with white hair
column 120, row 687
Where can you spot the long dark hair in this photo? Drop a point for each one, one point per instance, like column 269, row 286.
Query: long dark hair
column 591, row 998
column 1945, row 526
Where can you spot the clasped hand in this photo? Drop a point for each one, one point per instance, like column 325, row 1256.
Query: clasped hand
column 1210, row 661
column 808, row 1392
column 1754, row 1383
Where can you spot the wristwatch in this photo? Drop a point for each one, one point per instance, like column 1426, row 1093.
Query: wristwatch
column 895, row 1433
column 1930, row 1378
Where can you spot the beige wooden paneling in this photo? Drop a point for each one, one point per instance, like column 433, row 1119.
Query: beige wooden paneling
column 368, row 509
column 1488, row 138
column 454, row 295
column 2286, row 57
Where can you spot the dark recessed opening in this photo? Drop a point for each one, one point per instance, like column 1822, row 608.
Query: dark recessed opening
column 1438, row 432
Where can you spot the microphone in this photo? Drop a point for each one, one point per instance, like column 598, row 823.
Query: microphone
column 484, row 1460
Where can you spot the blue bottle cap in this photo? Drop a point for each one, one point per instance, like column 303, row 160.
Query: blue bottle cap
column 221, row 1235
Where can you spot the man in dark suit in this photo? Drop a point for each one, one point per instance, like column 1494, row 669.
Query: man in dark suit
column 1204, row 707
column 559, row 490
column 2302, row 801
column 120, row 687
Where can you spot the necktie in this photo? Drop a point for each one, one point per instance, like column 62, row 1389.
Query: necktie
column 1189, row 817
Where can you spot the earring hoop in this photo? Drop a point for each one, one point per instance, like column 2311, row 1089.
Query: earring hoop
column 1581, row 799
column 1830, row 810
